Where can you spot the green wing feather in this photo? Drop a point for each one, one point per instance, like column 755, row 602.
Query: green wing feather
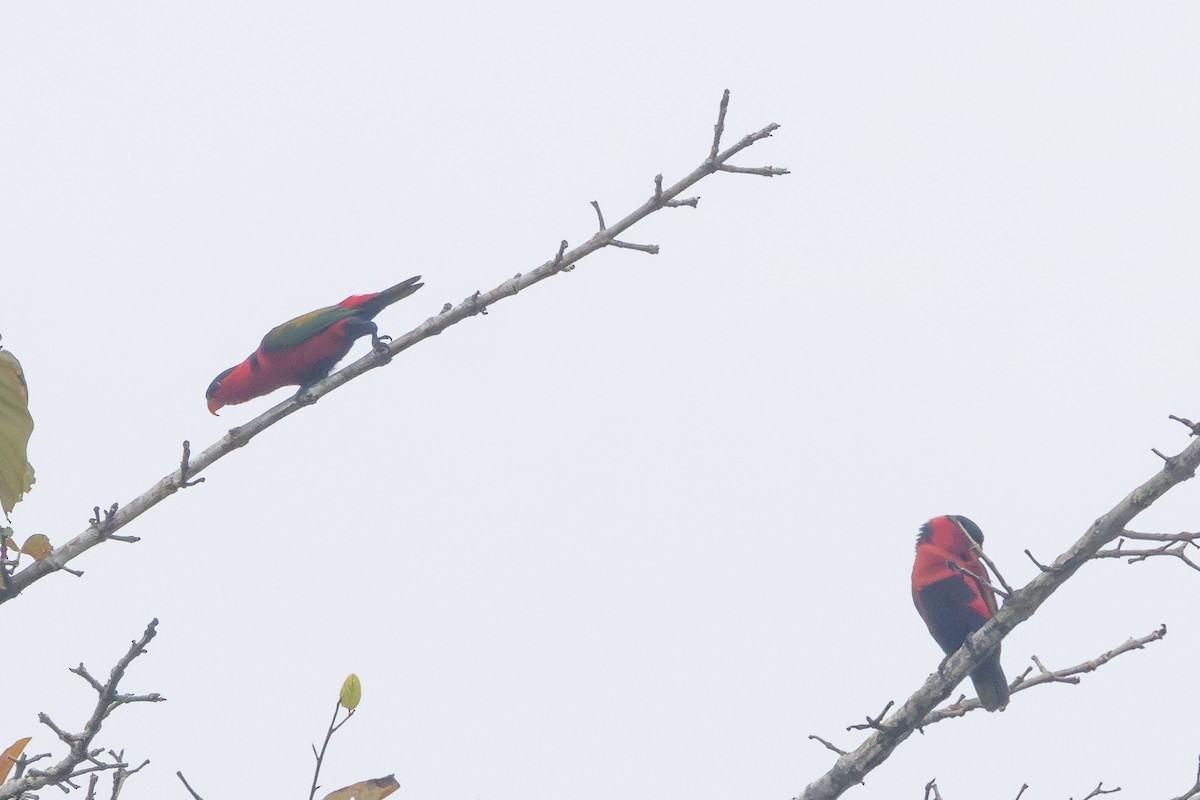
column 304, row 327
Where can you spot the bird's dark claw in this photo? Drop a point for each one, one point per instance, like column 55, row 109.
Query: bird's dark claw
column 377, row 343
column 942, row 665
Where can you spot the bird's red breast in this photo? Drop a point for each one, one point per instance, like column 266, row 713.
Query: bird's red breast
column 942, row 542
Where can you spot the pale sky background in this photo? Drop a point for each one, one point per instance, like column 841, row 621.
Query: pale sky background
column 647, row 525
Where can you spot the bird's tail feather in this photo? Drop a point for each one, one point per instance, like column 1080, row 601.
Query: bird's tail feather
column 391, row 295
column 990, row 684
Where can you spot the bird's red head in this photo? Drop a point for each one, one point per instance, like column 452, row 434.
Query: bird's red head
column 949, row 533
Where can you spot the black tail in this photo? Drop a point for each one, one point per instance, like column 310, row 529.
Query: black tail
column 388, row 296
column 990, row 684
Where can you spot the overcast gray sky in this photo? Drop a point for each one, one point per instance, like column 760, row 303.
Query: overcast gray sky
column 646, row 526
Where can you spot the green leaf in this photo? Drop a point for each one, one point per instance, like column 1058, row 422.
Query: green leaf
column 16, row 426
column 351, row 692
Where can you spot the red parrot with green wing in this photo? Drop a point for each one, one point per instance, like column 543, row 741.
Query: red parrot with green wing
column 302, row 351
column 955, row 605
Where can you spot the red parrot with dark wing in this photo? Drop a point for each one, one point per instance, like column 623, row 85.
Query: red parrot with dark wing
column 302, row 351
column 954, row 605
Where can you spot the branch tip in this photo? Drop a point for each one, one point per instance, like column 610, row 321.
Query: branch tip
column 558, row 258
column 185, row 469
column 832, row 747
column 599, row 215
column 652, row 249
column 187, row 786
column 719, row 128
column 1194, row 427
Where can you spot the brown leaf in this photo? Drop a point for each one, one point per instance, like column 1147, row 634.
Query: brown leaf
column 9, row 757
column 374, row 789
column 37, row 546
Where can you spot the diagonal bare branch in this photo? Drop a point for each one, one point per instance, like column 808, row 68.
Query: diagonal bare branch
column 103, row 529
column 1193, row 792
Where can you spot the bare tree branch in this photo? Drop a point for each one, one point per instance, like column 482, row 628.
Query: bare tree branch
column 79, row 744
column 964, row 705
column 1045, row 676
column 850, row 769
column 1174, row 545
column 1193, row 792
column 1099, row 790
column 333, row 726
column 102, row 529
column 188, row 786
column 828, row 744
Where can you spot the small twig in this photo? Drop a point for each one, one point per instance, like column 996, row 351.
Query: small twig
column 599, row 215
column 105, row 523
column 1024, row 786
column 185, row 467
column 79, row 744
column 558, row 259
column 1193, row 792
column 1173, row 464
column 832, row 747
column 24, row 761
column 769, row 172
column 652, row 249
column 1174, row 545
column 931, row 790
column 122, row 774
column 719, row 128
column 82, row 672
column 188, row 786
column 333, row 726
column 1049, row 675
column 991, row 565
column 658, row 196
column 1039, row 564
column 1194, row 427
column 1099, row 790
column 982, row 579
column 876, row 723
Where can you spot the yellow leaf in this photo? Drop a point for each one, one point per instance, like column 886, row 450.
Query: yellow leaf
column 10, row 756
column 37, row 546
column 374, row 789
column 351, row 692
column 16, row 426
